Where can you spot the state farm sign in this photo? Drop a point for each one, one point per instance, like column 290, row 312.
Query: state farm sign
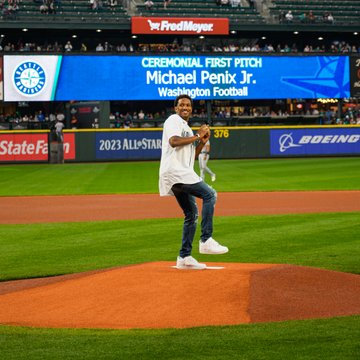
column 32, row 147
column 195, row 26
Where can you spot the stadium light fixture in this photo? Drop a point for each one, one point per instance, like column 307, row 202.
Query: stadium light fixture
column 356, row 33
column 201, row 37
column 134, row 37
column 263, row 38
column 74, row 36
column 320, row 38
column 98, row 30
column 296, row 33
column 25, row 30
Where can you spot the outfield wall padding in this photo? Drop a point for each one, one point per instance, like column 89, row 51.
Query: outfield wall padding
column 91, row 145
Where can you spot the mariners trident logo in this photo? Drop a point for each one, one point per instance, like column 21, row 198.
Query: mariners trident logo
column 29, row 78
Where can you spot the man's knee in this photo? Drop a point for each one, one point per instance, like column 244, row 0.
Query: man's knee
column 211, row 196
column 191, row 217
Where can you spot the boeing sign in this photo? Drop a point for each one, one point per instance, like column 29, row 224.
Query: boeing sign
column 320, row 141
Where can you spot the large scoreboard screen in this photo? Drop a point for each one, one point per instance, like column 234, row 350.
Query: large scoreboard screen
column 117, row 77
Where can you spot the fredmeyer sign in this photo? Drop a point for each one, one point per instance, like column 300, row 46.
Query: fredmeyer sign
column 181, row 26
column 124, row 77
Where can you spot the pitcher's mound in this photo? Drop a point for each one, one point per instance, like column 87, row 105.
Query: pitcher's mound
column 155, row 295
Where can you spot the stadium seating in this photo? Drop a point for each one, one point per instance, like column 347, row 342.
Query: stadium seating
column 345, row 12
column 70, row 11
column 202, row 8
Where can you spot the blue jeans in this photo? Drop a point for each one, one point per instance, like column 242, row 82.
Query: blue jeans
column 185, row 195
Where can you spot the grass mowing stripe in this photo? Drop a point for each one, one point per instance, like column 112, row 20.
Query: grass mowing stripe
column 330, row 339
column 142, row 177
column 327, row 240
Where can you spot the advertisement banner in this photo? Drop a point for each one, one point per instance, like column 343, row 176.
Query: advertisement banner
column 355, row 76
column 181, row 26
column 329, row 141
column 32, row 147
column 139, row 145
column 116, row 77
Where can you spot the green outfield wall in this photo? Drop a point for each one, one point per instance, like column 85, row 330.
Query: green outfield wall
column 145, row 144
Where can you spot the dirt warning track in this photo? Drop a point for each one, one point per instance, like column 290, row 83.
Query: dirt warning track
column 39, row 209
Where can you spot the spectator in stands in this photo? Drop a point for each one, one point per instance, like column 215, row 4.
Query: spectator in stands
column 60, row 116
column 281, row 17
column 217, row 48
column 107, row 46
column 149, row 4
column 311, row 17
column 328, row 18
column 294, row 48
column 345, row 47
column 127, row 120
column 74, row 122
column 269, row 48
column 122, row 48
column 112, row 4
column 52, row 117
column 13, row 6
column 252, row 4
column 166, row 3
column 44, row 8
column 40, row 116
column 95, row 124
column 235, row 3
column 58, row 47
column 99, row 47
column 289, row 17
column 141, row 115
column 286, row 48
column 224, row 2
column 232, row 48
column 96, row 4
column 303, row 17
column 68, row 46
column 83, row 47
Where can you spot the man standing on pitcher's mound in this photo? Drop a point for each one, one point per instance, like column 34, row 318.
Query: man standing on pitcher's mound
column 177, row 177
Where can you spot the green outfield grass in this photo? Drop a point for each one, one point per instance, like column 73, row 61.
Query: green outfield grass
column 325, row 240
column 330, row 339
column 142, row 177
column 329, row 241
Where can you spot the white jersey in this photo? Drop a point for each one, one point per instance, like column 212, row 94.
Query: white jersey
column 177, row 163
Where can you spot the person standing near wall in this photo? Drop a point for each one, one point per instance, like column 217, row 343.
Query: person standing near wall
column 203, row 160
column 59, row 131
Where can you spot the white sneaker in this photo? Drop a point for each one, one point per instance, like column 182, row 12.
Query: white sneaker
column 189, row 262
column 213, row 178
column 210, row 246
